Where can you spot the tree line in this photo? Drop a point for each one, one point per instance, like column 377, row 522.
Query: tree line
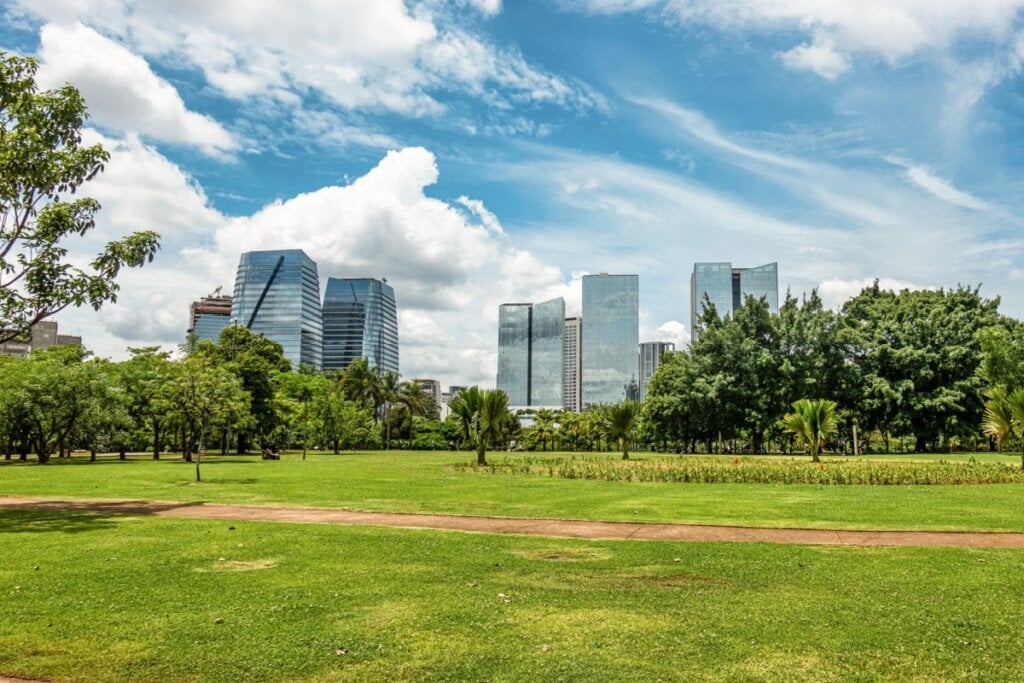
column 908, row 365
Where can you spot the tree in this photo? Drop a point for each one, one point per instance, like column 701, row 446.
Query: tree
column 491, row 421
column 1004, row 417
column 203, row 396
column 619, row 422
column 465, row 407
column 812, row 422
column 42, row 162
column 1002, row 349
column 141, row 378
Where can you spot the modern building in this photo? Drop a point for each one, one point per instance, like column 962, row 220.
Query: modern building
column 651, row 354
column 208, row 316
column 432, row 388
column 611, row 336
column 360, row 320
column 530, row 349
column 277, row 295
column 726, row 287
column 43, row 335
column 571, row 368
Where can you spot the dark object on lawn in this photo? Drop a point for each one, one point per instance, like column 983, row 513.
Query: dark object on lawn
column 270, row 454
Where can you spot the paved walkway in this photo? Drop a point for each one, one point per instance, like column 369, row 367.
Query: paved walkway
column 529, row 527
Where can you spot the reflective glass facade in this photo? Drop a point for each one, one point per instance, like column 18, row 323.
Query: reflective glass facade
column 726, row 287
column 714, row 280
column 290, row 312
column 360, row 321
column 572, row 353
column 514, row 322
column 611, row 336
column 547, row 347
column 761, row 282
column 650, row 358
column 209, row 325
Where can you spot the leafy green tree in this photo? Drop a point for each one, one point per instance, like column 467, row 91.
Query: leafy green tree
column 204, row 397
column 491, row 419
column 1002, row 351
column 1004, row 417
column 620, row 422
column 812, row 422
column 465, row 407
column 42, row 163
column 141, row 378
column 296, row 392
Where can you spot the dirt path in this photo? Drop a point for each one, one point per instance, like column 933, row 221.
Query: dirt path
column 530, row 527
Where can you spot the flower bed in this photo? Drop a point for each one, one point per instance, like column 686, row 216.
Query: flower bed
column 754, row 470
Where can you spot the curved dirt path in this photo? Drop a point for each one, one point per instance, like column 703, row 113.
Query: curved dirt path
column 633, row 531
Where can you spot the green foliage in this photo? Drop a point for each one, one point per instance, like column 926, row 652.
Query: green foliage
column 42, row 162
column 812, row 422
column 1004, row 417
column 715, row 470
column 619, row 423
column 1002, row 349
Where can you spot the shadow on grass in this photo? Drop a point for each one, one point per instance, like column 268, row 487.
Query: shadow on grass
column 69, row 516
column 170, row 459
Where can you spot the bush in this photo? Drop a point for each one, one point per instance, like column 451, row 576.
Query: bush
column 759, row 471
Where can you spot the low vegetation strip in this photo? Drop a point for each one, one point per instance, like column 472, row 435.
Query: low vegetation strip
column 757, row 470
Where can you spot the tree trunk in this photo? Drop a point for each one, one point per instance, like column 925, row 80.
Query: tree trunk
column 481, row 452
column 156, row 442
column 121, row 455
column 92, row 455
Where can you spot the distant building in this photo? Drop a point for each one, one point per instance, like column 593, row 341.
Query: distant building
column 360, row 321
column 277, row 295
column 454, row 390
column 726, row 287
column 530, row 350
column 571, row 365
column 208, row 316
column 651, row 354
column 611, row 336
column 432, row 388
column 43, row 335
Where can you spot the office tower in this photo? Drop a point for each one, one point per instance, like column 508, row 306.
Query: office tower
column 360, row 321
column 277, row 295
column 208, row 316
column 650, row 358
column 571, row 371
column 530, row 351
column 546, row 349
column 432, row 388
column 611, row 335
column 726, row 287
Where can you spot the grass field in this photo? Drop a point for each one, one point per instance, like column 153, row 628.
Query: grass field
column 423, row 482
column 86, row 597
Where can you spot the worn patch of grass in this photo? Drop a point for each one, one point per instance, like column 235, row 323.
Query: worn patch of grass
column 117, row 599
column 425, row 482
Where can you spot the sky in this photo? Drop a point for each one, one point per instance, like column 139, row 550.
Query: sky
column 477, row 152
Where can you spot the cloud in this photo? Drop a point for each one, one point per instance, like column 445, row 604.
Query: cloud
column 383, row 55
column 839, row 30
column 675, row 332
column 924, row 178
column 121, row 90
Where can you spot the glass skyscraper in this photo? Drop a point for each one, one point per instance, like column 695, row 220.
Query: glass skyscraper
column 651, row 354
column 726, row 287
column 208, row 316
column 360, row 321
column 530, row 352
column 611, row 336
column 283, row 289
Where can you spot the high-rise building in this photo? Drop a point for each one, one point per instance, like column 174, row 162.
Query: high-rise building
column 726, row 287
column 360, row 321
column 530, row 349
column 277, row 295
column 611, row 335
column 651, row 354
column 571, row 369
column 43, row 335
column 208, row 316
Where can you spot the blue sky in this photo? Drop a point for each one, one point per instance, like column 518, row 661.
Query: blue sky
column 479, row 151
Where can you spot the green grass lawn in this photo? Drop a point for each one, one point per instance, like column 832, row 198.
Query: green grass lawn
column 422, row 482
column 86, row 597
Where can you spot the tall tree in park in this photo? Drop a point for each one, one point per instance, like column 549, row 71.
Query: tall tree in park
column 256, row 361
column 812, row 422
column 1002, row 354
column 203, row 396
column 492, row 419
column 919, row 354
column 465, row 407
column 42, row 165
column 620, row 423
column 141, row 377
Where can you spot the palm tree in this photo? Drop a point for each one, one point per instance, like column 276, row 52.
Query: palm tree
column 466, row 405
column 359, row 383
column 544, row 426
column 812, row 421
column 491, row 421
column 569, row 428
column 1004, row 417
column 414, row 401
column 386, row 395
column 620, row 422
